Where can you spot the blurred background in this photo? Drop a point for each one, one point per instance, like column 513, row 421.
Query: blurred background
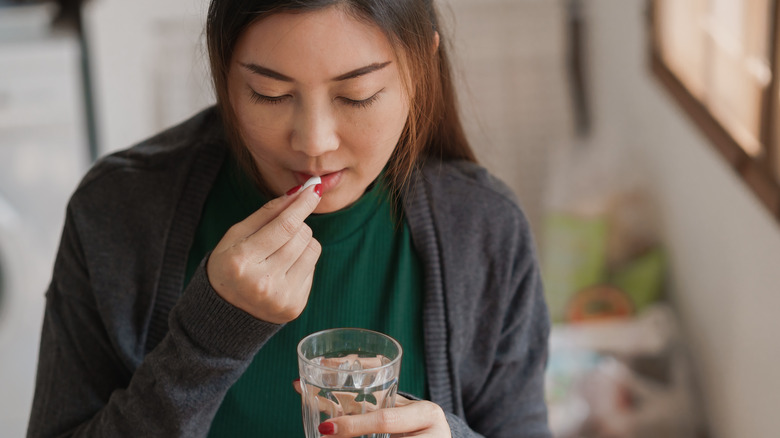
column 660, row 261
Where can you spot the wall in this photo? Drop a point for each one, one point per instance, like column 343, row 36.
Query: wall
column 724, row 247
column 509, row 58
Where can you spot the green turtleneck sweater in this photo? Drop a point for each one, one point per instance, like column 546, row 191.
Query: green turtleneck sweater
column 368, row 276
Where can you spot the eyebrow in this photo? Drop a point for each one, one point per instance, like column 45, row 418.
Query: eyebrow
column 267, row 72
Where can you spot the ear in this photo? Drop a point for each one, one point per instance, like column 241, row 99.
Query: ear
column 435, row 41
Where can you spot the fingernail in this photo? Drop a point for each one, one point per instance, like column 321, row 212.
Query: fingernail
column 293, row 190
column 318, row 190
column 296, row 380
column 327, row 428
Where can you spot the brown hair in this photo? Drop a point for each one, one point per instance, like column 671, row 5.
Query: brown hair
column 433, row 129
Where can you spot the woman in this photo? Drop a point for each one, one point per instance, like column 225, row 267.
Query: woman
column 191, row 264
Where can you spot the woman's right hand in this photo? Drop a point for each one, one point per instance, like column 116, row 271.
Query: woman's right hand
column 264, row 265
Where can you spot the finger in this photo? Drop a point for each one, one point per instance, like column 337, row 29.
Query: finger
column 297, row 386
column 300, row 292
column 284, row 226
column 307, row 260
column 286, row 256
column 402, row 401
column 259, row 218
column 306, row 285
column 323, row 404
column 410, row 418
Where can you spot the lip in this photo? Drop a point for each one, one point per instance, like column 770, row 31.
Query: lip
column 329, row 179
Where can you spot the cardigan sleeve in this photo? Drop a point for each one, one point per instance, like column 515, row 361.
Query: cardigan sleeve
column 503, row 381
column 512, row 332
column 493, row 305
column 85, row 387
column 513, row 404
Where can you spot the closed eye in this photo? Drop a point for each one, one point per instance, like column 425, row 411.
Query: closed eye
column 365, row 103
column 273, row 100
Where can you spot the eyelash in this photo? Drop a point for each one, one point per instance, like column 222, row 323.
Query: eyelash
column 365, row 103
column 259, row 98
column 275, row 100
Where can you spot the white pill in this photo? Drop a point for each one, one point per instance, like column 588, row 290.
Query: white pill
column 312, row 181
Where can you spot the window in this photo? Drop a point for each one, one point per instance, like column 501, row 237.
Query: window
column 718, row 58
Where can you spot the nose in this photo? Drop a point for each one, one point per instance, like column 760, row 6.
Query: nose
column 314, row 131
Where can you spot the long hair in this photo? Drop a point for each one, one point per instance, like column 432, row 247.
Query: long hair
column 433, row 128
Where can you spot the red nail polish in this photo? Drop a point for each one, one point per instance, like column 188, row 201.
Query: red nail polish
column 296, row 380
column 318, row 190
column 293, row 190
column 327, row 428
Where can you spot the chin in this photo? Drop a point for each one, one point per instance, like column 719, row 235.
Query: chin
column 331, row 203
column 328, row 207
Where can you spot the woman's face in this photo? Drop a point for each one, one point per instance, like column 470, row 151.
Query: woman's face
column 318, row 94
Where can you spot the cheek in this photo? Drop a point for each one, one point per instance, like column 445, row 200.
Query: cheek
column 395, row 119
column 258, row 131
column 254, row 123
column 261, row 133
column 380, row 130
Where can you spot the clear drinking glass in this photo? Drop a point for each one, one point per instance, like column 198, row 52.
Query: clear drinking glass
column 347, row 371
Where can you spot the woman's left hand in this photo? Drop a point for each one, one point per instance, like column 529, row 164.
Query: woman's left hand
column 409, row 418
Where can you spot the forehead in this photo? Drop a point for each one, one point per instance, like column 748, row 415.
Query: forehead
column 310, row 46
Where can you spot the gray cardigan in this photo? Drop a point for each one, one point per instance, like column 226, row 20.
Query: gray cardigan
column 125, row 353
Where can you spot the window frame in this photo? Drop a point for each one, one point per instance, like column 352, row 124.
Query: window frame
column 756, row 172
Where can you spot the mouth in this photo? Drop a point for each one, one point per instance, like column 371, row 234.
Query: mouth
column 329, row 179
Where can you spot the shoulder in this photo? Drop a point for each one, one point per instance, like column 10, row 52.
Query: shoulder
column 146, row 180
column 476, row 226
column 163, row 152
column 466, row 175
column 465, row 194
column 155, row 167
